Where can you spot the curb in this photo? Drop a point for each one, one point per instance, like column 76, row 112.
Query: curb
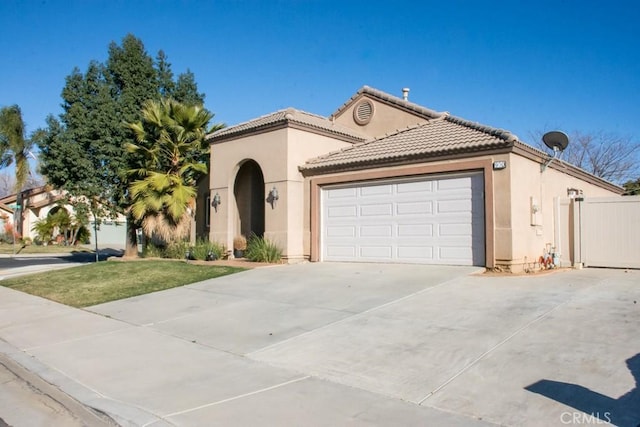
column 84, row 414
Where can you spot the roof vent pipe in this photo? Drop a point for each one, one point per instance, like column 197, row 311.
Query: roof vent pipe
column 405, row 93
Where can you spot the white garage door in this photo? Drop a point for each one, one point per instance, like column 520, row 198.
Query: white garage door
column 428, row 220
column 110, row 234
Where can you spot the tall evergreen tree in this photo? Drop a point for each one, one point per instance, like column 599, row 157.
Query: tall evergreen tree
column 186, row 90
column 84, row 151
column 166, row 85
column 80, row 154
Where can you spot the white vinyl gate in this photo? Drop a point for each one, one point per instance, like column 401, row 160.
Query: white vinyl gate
column 599, row 232
column 427, row 220
column 610, row 232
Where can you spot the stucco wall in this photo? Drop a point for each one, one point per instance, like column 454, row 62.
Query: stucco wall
column 302, row 146
column 386, row 119
column 278, row 153
column 268, row 150
column 532, row 232
column 32, row 215
column 503, row 235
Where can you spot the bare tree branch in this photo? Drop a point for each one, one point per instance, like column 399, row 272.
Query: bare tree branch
column 609, row 156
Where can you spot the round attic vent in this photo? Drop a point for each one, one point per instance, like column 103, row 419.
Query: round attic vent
column 363, row 112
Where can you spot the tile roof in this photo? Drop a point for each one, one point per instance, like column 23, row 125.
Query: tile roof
column 11, row 198
column 287, row 117
column 390, row 99
column 444, row 135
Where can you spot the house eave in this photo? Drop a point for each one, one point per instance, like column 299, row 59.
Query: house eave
column 515, row 147
column 405, row 160
column 538, row 156
column 283, row 124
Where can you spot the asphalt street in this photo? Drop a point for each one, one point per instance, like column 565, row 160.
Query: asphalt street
column 12, row 266
column 18, row 261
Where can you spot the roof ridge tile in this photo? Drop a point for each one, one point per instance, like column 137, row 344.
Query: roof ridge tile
column 386, row 97
column 288, row 115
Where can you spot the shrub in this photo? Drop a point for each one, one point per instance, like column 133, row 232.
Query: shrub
column 203, row 247
column 9, row 235
column 44, row 230
column 177, row 250
column 71, row 230
column 260, row 249
column 153, row 251
column 83, row 236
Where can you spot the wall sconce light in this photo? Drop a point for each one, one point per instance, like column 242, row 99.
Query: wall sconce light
column 216, row 202
column 273, row 197
column 572, row 193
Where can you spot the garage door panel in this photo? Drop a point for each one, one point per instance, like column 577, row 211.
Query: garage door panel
column 376, row 209
column 415, row 253
column 344, row 231
column 376, row 231
column 412, row 208
column 454, row 253
column 343, row 212
column 376, row 190
column 341, row 193
column 341, row 252
column 461, row 183
column 449, row 206
column 415, row 230
column 415, row 187
column 377, row 252
column 432, row 220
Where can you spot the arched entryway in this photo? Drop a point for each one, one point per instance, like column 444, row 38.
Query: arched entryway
column 248, row 190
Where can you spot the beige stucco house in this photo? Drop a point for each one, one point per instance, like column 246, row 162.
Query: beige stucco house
column 386, row 180
column 36, row 204
column 39, row 202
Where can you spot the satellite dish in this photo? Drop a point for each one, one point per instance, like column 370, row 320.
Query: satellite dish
column 556, row 140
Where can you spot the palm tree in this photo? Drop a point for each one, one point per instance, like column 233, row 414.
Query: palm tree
column 14, row 147
column 171, row 154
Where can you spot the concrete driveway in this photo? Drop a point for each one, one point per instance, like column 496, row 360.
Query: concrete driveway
column 347, row 344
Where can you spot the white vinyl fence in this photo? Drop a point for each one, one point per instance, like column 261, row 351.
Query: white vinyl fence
column 599, row 232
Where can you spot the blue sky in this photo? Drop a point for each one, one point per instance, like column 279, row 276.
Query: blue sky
column 522, row 66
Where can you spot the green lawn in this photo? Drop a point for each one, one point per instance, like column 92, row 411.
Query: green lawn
column 112, row 280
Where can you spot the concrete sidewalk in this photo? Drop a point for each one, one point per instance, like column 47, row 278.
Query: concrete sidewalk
column 27, row 400
column 343, row 344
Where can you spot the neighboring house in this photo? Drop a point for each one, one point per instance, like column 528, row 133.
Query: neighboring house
column 386, row 180
column 37, row 203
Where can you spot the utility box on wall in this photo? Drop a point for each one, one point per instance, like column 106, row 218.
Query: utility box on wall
column 536, row 215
